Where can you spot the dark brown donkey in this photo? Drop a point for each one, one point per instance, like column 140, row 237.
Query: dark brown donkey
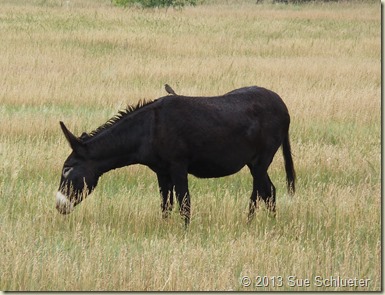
column 179, row 135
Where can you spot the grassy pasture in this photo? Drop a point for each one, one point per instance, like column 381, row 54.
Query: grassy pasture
column 81, row 61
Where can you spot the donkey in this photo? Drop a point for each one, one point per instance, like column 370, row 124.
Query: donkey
column 177, row 135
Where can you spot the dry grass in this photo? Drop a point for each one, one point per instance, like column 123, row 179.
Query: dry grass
column 80, row 61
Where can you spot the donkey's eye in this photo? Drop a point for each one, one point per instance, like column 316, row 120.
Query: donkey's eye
column 67, row 171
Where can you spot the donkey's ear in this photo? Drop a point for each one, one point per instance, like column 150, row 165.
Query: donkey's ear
column 74, row 142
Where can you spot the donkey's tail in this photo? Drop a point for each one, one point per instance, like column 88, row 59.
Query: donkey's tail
column 289, row 165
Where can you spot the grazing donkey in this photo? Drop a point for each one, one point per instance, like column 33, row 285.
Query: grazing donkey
column 179, row 135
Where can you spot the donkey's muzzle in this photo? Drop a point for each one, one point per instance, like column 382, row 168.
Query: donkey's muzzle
column 63, row 205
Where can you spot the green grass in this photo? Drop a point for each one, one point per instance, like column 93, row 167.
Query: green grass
column 82, row 62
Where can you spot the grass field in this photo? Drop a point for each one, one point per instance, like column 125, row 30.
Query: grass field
column 81, row 61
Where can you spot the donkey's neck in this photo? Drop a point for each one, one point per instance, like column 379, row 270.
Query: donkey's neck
column 125, row 143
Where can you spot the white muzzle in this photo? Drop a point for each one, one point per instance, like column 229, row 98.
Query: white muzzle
column 63, row 205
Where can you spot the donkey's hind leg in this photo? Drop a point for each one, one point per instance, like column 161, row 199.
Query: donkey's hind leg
column 263, row 189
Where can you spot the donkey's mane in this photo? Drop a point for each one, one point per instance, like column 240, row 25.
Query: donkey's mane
column 120, row 115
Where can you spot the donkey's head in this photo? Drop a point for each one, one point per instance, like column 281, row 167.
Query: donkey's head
column 78, row 177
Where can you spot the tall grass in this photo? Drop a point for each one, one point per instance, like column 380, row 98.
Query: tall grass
column 81, row 61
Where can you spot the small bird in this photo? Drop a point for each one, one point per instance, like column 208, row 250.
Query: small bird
column 169, row 90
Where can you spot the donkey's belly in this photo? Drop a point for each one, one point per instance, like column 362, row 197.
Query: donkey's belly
column 207, row 169
column 221, row 160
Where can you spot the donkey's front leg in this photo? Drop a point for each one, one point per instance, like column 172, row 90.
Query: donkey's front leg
column 184, row 205
column 180, row 180
column 167, row 192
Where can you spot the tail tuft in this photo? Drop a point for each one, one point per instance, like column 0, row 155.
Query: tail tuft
column 289, row 165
